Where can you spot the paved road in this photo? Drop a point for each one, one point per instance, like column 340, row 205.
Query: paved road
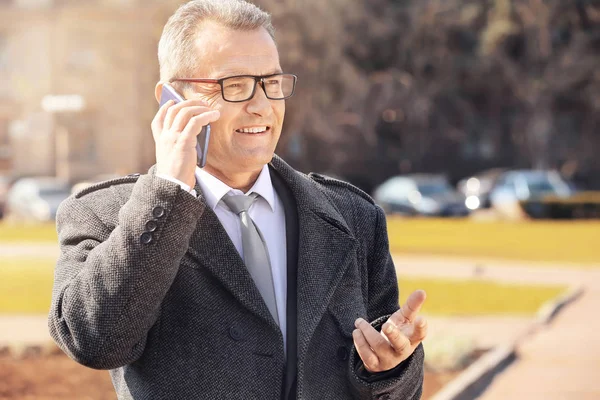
column 561, row 361
column 498, row 270
column 11, row 250
column 19, row 331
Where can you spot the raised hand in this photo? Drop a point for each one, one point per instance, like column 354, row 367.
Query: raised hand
column 399, row 337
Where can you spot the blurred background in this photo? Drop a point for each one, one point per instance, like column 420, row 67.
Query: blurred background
column 475, row 124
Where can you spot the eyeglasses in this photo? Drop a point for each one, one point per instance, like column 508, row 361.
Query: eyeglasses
column 239, row 88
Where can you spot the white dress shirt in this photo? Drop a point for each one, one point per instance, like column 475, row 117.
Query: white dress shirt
column 268, row 214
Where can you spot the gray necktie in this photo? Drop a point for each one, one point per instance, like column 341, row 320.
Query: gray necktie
column 256, row 254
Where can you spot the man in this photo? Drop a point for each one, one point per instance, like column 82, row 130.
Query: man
column 183, row 292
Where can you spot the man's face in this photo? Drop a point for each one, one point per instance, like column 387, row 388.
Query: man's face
column 222, row 52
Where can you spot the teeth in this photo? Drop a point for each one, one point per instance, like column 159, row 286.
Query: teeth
column 259, row 129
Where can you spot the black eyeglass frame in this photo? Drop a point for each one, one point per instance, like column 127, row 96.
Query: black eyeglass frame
column 257, row 79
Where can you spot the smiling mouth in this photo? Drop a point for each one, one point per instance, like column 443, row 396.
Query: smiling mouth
column 254, row 130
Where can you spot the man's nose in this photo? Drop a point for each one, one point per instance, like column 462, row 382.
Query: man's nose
column 260, row 104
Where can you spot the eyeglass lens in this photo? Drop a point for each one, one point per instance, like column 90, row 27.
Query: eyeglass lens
column 240, row 88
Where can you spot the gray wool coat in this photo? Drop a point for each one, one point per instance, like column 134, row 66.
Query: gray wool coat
column 149, row 286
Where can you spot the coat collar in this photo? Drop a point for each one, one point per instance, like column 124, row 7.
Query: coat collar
column 309, row 195
column 214, row 189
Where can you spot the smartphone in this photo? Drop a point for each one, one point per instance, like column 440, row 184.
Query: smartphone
column 169, row 93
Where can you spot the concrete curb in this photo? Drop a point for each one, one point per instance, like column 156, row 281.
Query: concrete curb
column 549, row 310
column 473, row 381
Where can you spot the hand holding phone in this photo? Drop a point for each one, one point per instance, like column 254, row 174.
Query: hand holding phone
column 169, row 93
column 181, row 130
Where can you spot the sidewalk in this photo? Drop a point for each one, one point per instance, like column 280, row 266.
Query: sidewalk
column 560, row 361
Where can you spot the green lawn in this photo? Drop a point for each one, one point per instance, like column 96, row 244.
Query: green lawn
column 546, row 241
column 551, row 241
column 10, row 232
column 26, row 285
column 449, row 297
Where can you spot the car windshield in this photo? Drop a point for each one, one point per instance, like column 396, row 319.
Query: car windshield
column 433, row 188
column 540, row 185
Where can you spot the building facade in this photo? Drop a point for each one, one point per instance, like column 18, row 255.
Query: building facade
column 102, row 53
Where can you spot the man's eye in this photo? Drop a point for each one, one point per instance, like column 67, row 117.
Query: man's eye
column 273, row 82
column 233, row 86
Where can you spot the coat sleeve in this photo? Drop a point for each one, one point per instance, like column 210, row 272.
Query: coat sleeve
column 110, row 281
column 405, row 382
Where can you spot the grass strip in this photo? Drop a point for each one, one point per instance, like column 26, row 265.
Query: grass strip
column 545, row 241
column 26, row 286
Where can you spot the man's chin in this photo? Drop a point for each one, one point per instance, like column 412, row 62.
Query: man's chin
column 255, row 158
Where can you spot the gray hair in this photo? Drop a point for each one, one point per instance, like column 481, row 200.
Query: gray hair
column 176, row 46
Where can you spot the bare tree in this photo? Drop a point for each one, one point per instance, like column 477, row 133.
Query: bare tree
column 447, row 86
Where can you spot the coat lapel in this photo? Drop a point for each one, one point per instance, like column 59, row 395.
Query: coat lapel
column 211, row 248
column 326, row 248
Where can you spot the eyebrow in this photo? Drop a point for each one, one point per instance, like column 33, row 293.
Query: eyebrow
column 238, row 72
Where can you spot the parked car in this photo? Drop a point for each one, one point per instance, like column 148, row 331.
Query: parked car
column 36, row 199
column 420, row 194
column 477, row 188
column 514, row 187
column 5, row 183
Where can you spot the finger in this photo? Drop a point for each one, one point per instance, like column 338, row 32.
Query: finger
column 408, row 312
column 376, row 341
column 195, row 125
column 185, row 115
column 174, row 110
column 397, row 339
column 419, row 332
column 366, row 354
column 159, row 119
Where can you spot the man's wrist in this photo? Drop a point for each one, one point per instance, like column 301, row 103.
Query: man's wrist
column 363, row 373
column 183, row 185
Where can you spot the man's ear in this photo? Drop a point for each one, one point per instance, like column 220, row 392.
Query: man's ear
column 158, row 91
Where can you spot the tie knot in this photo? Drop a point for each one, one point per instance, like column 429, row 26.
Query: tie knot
column 239, row 203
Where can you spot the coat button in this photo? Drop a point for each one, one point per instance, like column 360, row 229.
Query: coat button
column 151, row 225
column 235, row 333
column 146, row 238
column 342, row 353
column 158, row 212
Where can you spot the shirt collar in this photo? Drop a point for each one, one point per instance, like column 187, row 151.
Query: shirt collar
column 214, row 189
